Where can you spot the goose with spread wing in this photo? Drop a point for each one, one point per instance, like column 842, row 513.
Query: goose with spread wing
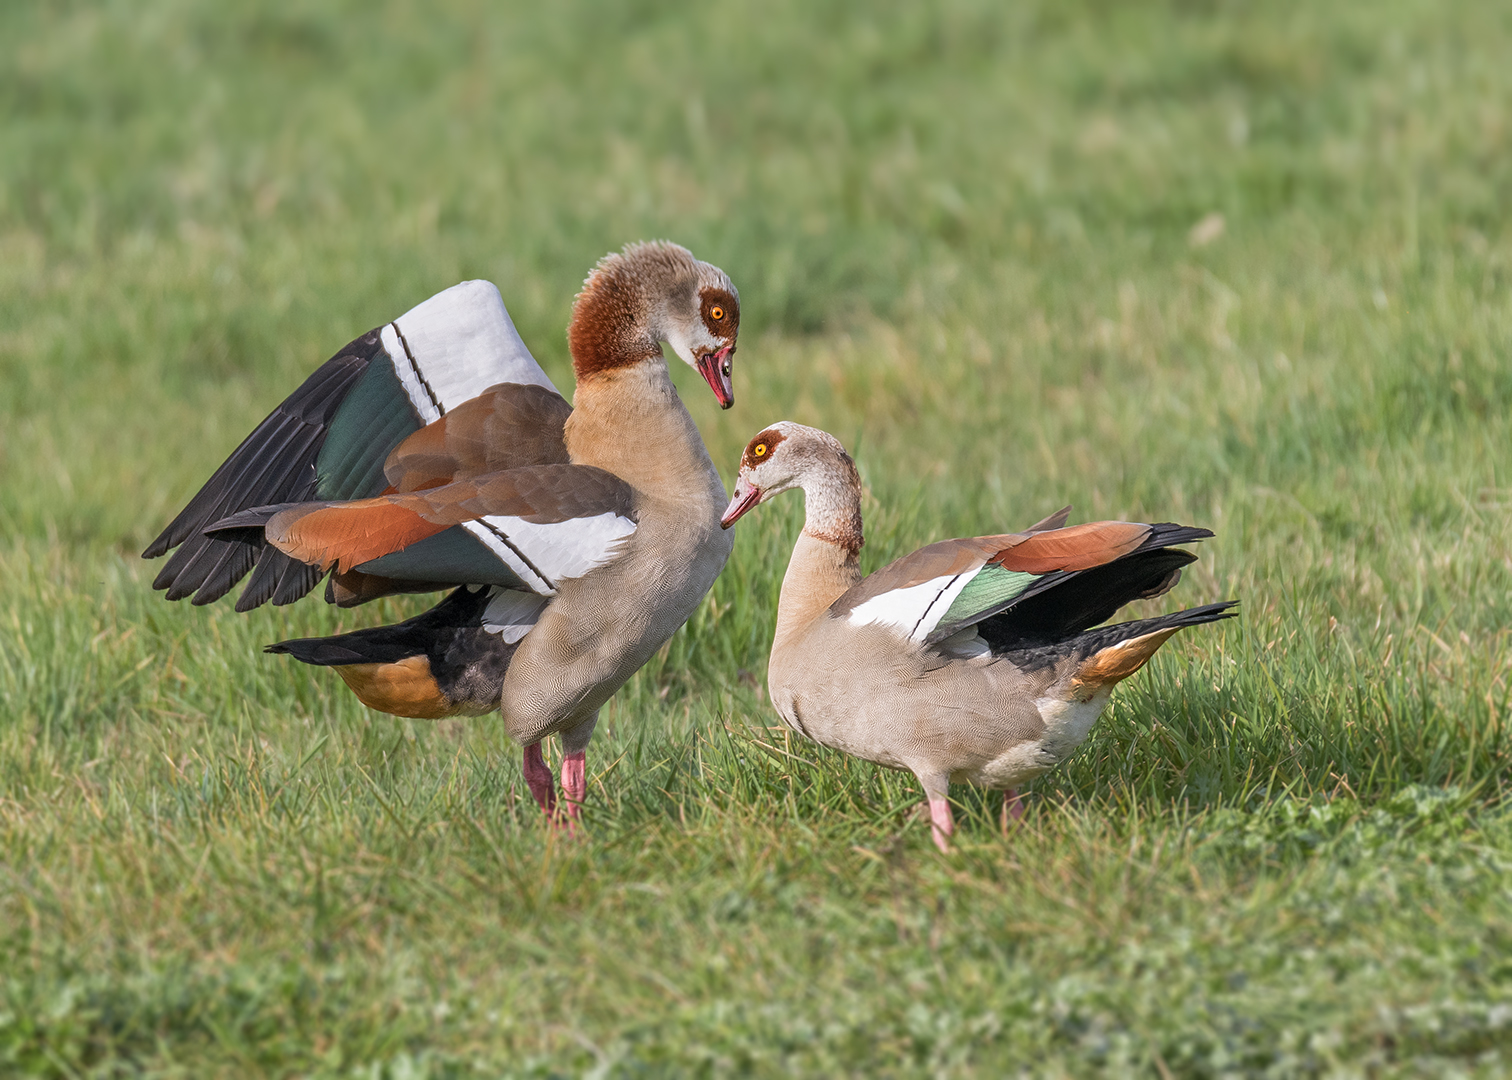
column 434, row 453
column 972, row 660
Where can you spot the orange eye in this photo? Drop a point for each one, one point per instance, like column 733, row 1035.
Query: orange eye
column 759, row 451
column 716, row 313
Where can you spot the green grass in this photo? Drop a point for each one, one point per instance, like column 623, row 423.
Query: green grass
column 964, row 235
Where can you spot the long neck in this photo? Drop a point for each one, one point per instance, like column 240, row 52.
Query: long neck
column 615, row 323
column 629, row 421
column 825, row 560
column 627, row 417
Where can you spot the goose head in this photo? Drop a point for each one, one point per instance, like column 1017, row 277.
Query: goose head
column 651, row 293
column 788, row 455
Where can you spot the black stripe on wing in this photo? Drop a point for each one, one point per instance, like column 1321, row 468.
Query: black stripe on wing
column 276, row 463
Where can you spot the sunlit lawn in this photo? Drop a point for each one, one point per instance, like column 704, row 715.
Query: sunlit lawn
column 1247, row 267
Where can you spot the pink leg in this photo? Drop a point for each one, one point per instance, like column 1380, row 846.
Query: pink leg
column 575, row 783
column 538, row 777
column 1013, row 808
column 941, row 823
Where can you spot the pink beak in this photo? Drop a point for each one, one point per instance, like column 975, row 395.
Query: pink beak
column 746, row 496
column 715, row 368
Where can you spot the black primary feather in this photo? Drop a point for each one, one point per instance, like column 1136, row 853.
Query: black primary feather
column 275, row 464
column 1082, row 599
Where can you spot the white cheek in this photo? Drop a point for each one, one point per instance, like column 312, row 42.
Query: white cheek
column 692, row 342
column 773, row 481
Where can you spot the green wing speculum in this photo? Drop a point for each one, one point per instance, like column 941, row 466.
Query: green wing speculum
column 987, row 592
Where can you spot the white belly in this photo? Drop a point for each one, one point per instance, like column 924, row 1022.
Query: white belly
column 1067, row 725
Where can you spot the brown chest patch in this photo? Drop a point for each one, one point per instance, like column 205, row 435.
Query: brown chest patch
column 404, row 688
column 843, row 533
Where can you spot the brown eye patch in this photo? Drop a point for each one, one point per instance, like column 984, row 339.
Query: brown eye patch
column 720, row 311
column 760, row 448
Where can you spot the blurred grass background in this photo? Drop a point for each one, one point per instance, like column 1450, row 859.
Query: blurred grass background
column 1247, row 266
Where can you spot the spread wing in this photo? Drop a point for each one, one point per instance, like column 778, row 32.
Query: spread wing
column 945, row 587
column 332, row 438
column 525, row 529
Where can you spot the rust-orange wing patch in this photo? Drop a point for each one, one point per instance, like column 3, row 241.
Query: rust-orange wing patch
column 347, row 534
column 1079, row 547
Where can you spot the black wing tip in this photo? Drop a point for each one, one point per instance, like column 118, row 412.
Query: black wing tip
column 271, row 462
column 1176, row 620
column 260, row 585
column 320, row 652
column 1165, row 529
column 295, row 582
column 1204, row 613
column 178, row 591
column 1228, row 608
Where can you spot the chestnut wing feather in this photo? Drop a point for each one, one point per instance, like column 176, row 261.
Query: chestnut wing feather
column 505, row 427
column 522, row 528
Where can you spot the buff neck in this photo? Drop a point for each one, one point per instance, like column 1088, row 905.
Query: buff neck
column 826, row 559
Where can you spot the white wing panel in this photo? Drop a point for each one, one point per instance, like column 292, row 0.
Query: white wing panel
column 510, row 556
column 565, row 549
column 455, row 345
column 915, row 611
column 426, row 405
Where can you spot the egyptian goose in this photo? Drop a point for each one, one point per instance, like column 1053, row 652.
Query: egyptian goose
column 434, row 453
column 970, row 660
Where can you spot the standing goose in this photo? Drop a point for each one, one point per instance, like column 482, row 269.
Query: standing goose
column 434, row 453
column 970, row 660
